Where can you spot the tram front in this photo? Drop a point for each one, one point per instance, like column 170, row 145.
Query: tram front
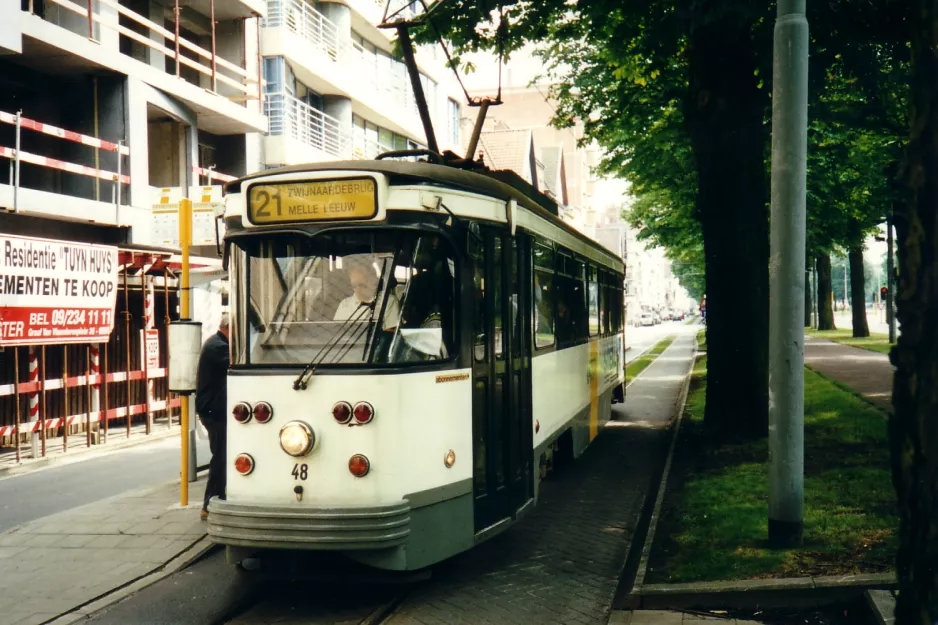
column 350, row 424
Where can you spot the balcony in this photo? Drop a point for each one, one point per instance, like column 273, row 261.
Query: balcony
column 207, row 70
column 300, row 133
column 324, row 58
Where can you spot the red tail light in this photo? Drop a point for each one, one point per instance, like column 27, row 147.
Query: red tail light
column 244, row 464
column 241, row 412
column 364, row 413
column 263, row 412
column 342, row 412
column 358, row 465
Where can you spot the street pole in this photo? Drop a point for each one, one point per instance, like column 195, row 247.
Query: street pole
column 185, row 313
column 890, row 295
column 786, row 338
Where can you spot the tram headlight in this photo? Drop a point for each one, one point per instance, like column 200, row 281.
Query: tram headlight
column 297, row 438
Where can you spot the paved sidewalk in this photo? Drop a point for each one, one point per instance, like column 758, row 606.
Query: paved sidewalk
column 63, row 563
column 866, row 372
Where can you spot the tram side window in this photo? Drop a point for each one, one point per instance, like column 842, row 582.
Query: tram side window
column 477, row 253
column 594, row 320
column 571, row 302
column 543, row 295
column 608, row 322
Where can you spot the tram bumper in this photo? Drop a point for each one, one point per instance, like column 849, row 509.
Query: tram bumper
column 347, row 528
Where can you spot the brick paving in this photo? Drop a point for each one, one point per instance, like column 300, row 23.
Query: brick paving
column 561, row 564
column 59, row 563
column 866, row 372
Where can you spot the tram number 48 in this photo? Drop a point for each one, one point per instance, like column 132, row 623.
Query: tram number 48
column 300, row 471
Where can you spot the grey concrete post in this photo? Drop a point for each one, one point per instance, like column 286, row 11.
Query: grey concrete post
column 786, row 338
column 890, row 282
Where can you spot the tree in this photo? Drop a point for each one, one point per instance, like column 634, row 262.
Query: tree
column 858, row 294
column 825, row 316
column 681, row 112
column 913, row 427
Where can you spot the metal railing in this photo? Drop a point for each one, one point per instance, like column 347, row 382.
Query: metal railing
column 304, row 20
column 290, row 117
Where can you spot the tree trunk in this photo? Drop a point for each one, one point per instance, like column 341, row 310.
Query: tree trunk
column 808, row 298
column 858, row 293
column 725, row 119
column 825, row 314
column 914, row 427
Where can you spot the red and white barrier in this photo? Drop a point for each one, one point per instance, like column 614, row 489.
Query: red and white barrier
column 82, row 380
column 54, row 163
column 95, row 417
column 33, row 381
column 212, row 174
column 68, row 135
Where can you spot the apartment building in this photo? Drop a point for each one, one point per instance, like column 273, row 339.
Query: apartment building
column 335, row 91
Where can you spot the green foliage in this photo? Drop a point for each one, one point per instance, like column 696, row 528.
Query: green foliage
column 622, row 68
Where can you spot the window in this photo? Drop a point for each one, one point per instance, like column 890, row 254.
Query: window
column 543, row 305
column 273, row 74
column 346, row 297
column 452, row 120
column 477, row 254
column 570, row 316
column 594, row 315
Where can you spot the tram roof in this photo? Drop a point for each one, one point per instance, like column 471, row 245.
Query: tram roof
column 502, row 184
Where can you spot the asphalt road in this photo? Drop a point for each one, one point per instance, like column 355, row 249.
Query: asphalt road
column 61, row 487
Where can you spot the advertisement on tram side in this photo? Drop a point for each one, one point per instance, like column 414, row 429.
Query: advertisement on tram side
column 54, row 292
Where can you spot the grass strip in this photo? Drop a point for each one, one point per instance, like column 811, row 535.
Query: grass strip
column 641, row 363
column 875, row 342
column 715, row 522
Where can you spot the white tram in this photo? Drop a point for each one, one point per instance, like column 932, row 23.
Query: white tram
column 412, row 347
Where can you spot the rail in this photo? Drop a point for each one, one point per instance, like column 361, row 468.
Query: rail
column 16, row 155
column 290, row 117
column 176, row 44
column 304, row 20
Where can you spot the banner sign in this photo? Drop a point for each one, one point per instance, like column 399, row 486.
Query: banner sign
column 54, row 292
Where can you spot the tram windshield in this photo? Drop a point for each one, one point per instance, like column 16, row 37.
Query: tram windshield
column 346, row 297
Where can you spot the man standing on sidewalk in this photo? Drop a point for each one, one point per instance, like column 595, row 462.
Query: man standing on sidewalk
column 211, row 403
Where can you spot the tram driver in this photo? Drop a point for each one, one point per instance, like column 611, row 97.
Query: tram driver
column 364, row 279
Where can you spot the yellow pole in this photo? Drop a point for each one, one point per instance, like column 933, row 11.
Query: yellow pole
column 185, row 312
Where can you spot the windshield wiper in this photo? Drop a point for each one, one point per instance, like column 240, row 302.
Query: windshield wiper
column 301, row 382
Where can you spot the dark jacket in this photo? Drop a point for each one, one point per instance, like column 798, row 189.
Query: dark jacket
column 211, row 395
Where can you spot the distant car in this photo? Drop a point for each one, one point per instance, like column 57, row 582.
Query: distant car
column 647, row 319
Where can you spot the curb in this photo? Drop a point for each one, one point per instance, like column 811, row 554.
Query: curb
column 86, row 453
column 189, row 556
column 762, row 593
column 633, row 599
column 882, row 605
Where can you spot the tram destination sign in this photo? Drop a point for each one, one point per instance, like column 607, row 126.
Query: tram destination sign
column 313, row 200
column 54, row 292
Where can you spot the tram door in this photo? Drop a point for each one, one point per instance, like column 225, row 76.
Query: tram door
column 501, row 401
